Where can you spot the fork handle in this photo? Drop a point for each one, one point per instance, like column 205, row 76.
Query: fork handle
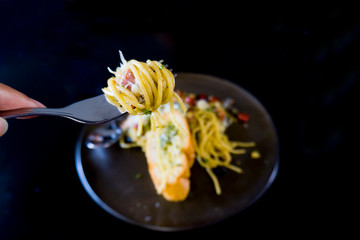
column 26, row 112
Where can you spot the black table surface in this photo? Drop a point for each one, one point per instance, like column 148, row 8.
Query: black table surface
column 300, row 60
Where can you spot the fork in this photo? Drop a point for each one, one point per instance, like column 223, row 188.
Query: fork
column 89, row 111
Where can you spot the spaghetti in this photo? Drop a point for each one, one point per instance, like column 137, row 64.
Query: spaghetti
column 140, row 88
column 212, row 146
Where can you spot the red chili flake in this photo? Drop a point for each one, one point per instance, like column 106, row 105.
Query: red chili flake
column 213, row 99
column 201, row 96
column 243, row 117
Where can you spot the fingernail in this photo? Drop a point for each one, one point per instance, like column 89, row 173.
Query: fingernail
column 37, row 103
column 3, row 126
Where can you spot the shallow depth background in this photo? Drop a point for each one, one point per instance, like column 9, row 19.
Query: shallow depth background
column 300, row 60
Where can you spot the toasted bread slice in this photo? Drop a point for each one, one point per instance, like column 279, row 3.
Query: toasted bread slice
column 171, row 173
column 177, row 191
column 187, row 144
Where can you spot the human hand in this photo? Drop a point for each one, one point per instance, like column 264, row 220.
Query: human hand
column 12, row 99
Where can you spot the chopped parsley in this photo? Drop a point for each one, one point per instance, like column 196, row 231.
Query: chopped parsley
column 205, row 160
column 166, row 138
column 146, row 112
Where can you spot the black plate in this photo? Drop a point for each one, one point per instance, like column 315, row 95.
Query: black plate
column 110, row 175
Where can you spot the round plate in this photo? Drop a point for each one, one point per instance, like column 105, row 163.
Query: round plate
column 111, row 175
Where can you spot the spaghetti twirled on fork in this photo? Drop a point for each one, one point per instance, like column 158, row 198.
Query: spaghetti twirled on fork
column 140, row 88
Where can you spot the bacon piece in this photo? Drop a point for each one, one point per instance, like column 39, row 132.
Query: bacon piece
column 128, row 79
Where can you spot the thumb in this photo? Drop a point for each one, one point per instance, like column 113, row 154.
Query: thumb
column 3, row 126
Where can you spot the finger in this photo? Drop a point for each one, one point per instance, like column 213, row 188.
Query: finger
column 3, row 126
column 11, row 99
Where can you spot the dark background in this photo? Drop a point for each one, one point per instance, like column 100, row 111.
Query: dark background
column 301, row 60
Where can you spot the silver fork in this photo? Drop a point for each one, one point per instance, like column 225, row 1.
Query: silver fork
column 90, row 111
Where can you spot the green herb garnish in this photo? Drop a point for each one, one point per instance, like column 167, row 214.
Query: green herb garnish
column 169, row 131
column 146, row 112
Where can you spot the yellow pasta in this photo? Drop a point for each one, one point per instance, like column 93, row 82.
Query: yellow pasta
column 140, row 88
column 212, row 146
